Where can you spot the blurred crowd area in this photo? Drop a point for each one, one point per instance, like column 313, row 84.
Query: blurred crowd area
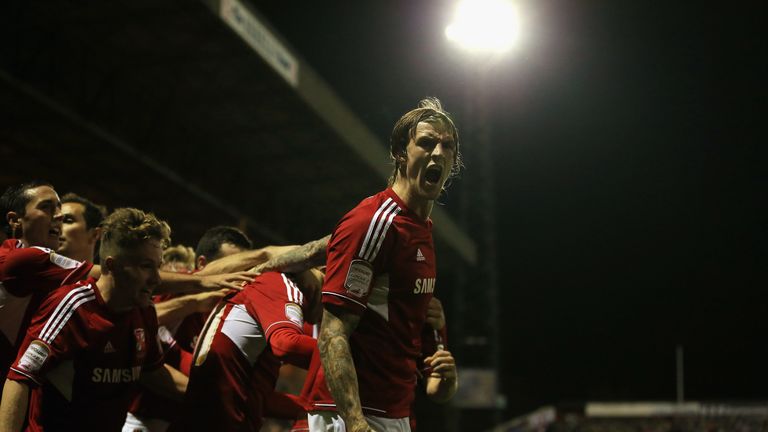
column 676, row 424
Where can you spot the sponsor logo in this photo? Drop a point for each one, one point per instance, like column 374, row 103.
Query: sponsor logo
column 294, row 314
column 424, row 286
column 34, row 357
column 419, row 255
column 108, row 348
column 63, row 262
column 115, row 375
column 359, row 277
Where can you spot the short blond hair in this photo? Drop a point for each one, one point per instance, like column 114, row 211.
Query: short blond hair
column 127, row 228
column 182, row 255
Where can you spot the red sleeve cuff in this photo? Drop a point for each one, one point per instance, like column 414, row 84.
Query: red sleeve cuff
column 345, row 302
column 24, row 377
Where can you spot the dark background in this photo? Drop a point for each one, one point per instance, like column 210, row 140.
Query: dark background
column 626, row 139
column 630, row 180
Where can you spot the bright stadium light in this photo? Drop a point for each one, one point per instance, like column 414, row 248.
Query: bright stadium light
column 484, row 25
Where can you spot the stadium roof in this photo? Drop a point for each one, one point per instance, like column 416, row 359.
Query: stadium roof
column 197, row 111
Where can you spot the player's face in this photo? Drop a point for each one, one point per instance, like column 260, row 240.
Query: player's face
column 137, row 273
column 77, row 240
column 430, row 155
column 41, row 223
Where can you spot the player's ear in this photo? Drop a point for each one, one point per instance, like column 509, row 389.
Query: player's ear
column 95, row 234
column 108, row 263
column 201, row 262
column 13, row 221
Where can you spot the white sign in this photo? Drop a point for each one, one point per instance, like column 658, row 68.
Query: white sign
column 258, row 36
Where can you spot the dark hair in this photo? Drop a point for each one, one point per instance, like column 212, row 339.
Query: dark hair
column 430, row 110
column 15, row 199
column 93, row 213
column 210, row 243
column 127, row 228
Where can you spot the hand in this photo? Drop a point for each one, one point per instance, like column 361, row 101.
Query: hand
column 435, row 315
column 227, row 280
column 310, row 281
column 362, row 426
column 207, row 300
column 259, row 269
column 443, row 365
column 311, row 284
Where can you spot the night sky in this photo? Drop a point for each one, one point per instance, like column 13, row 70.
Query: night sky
column 630, row 180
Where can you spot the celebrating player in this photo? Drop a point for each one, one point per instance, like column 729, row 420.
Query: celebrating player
column 380, row 278
column 90, row 343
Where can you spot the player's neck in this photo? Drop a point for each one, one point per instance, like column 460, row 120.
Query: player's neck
column 418, row 205
column 82, row 256
column 107, row 289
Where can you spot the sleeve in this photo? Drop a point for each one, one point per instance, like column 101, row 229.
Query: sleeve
column 276, row 302
column 357, row 253
column 37, row 269
column 57, row 331
column 154, row 358
column 22, row 268
column 290, row 346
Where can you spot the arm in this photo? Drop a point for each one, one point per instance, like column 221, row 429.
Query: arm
column 443, row 382
column 340, row 372
column 291, row 346
column 13, row 408
column 310, row 283
column 172, row 311
column 435, row 314
column 165, row 381
column 243, row 260
column 180, row 282
column 298, row 259
column 184, row 283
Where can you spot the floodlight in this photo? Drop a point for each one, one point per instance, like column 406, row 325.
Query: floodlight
column 484, row 25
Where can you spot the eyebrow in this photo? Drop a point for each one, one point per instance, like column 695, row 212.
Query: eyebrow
column 50, row 201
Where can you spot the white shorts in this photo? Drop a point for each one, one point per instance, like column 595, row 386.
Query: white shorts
column 330, row 421
column 137, row 424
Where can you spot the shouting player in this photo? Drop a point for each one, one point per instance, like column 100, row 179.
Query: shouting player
column 380, row 278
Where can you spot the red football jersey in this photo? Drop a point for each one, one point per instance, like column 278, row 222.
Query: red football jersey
column 83, row 360
column 8, row 307
column 381, row 265
column 27, row 275
column 238, row 355
column 177, row 344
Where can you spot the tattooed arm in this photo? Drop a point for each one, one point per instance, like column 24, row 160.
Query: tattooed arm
column 339, row 367
column 302, row 258
column 243, row 260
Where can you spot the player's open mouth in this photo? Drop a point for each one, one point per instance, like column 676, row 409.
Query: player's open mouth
column 433, row 174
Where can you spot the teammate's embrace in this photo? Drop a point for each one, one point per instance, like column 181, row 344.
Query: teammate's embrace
column 238, row 356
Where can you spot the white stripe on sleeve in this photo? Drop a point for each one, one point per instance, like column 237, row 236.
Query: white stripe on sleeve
column 62, row 307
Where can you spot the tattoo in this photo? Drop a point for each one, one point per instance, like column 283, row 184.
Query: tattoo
column 339, row 367
column 302, row 258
